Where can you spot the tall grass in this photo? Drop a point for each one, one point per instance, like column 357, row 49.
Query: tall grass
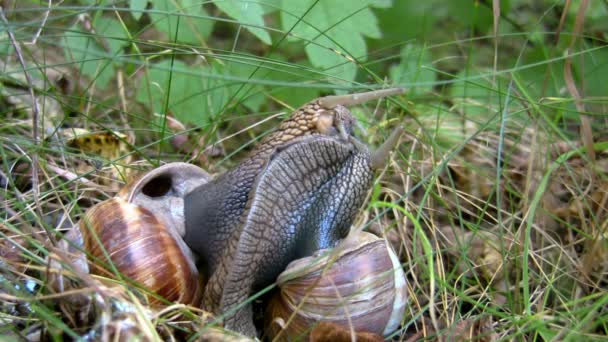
column 494, row 199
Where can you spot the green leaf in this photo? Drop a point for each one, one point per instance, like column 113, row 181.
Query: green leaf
column 595, row 9
column 409, row 20
column 297, row 73
column 415, row 67
column 250, row 95
column 95, row 2
column 194, row 96
column 6, row 48
column 81, row 49
column 270, row 6
column 248, row 13
column 475, row 95
column 595, row 71
column 86, row 51
column 333, row 31
column 446, row 128
column 471, row 13
column 182, row 17
column 383, row 3
column 112, row 32
column 546, row 333
column 137, row 6
column 545, row 79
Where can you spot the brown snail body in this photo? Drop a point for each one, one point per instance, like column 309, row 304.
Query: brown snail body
column 136, row 236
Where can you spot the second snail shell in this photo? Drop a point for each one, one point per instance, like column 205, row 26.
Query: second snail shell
column 360, row 284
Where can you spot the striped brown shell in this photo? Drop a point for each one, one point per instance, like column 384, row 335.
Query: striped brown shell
column 130, row 239
column 359, row 284
column 137, row 236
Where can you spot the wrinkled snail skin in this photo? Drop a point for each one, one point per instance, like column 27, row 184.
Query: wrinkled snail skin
column 305, row 200
column 297, row 192
column 214, row 209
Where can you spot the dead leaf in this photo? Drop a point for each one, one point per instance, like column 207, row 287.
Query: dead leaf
column 109, row 146
column 332, row 332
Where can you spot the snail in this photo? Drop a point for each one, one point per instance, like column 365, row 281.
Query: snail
column 296, row 193
column 359, row 284
column 137, row 235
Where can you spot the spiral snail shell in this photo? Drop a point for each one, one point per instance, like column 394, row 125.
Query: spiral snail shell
column 137, row 235
column 359, row 284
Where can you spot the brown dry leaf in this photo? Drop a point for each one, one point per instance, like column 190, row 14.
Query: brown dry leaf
column 180, row 140
column 331, row 332
column 486, row 251
column 114, row 147
column 594, row 261
column 214, row 334
column 11, row 257
column 471, row 330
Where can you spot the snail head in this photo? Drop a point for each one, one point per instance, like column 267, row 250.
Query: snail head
column 327, row 115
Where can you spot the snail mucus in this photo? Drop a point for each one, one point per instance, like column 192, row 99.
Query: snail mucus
column 293, row 198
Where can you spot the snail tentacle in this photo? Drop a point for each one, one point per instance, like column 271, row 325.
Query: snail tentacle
column 380, row 156
column 359, row 98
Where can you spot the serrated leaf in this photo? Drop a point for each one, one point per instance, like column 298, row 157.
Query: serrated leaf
column 333, row 31
column 137, row 6
column 248, row 13
column 414, row 68
column 182, row 17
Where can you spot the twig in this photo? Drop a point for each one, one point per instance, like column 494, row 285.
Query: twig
column 70, row 176
column 496, row 16
column 505, row 16
column 35, row 109
column 586, row 131
column 562, row 20
column 39, row 31
column 36, row 138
